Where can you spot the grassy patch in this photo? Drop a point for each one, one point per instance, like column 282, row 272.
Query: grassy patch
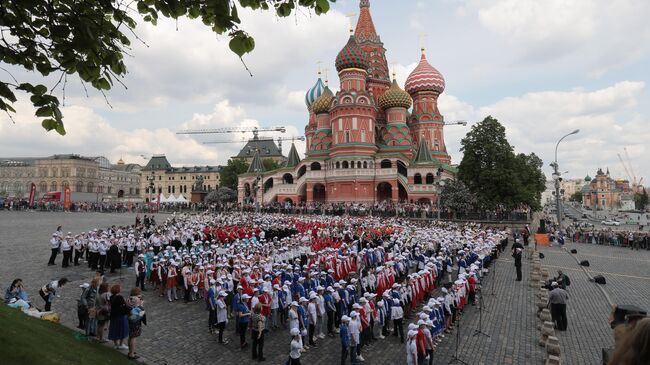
column 26, row 340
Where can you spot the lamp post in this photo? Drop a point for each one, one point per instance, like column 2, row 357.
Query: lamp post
column 440, row 183
column 151, row 179
column 557, row 177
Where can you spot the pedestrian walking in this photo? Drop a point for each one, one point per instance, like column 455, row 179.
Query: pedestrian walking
column 517, row 252
column 557, row 299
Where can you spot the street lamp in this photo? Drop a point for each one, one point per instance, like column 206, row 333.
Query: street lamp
column 151, row 184
column 440, row 183
column 557, row 177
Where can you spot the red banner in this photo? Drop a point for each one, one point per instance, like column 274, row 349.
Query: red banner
column 32, row 194
column 66, row 198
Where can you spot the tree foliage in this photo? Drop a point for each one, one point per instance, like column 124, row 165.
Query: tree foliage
column 230, row 173
column 576, row 197
column 270, row 164
column 455, row 196
column 221, row 195
column 89, row 39
column 641, row 199
column 495, row 174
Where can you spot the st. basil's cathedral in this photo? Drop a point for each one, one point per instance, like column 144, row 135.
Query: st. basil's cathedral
column 364, row 143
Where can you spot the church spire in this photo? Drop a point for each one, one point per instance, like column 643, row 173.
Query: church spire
column 365, row 30
column 294, row 159
column 256, row 165
column 423, row 154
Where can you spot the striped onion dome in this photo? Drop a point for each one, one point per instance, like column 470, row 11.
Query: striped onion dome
column 351, row 56
column 395, row 97
column 313, row 93
column 322, row 104
column 424, row 78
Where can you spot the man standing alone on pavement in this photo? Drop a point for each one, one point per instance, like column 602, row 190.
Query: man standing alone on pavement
column 557, row 298
column 517, row 252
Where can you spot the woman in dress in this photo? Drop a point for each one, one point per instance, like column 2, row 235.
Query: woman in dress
column 118, row 329
column 296, row 347
column 136, row 315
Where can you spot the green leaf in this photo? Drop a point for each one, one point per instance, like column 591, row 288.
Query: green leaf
column 6, row 107
column 44, row 111
column 60, row 129
column 284, row 10
column 6, row 93
column 49, row 124
column 322, row 6
column 242, row 43
column 39, row 89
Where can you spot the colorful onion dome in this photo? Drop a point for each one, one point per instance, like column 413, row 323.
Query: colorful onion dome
column 351, row 56
column 322, row 104
column 313, row 93
column 424, row 78
column 395, row 97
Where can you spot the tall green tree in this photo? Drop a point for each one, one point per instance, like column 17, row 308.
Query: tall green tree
column 641, row 199
column 230, row 173
column 89, row 38
column 270, row 164
column 491, row 170
column 455, row 196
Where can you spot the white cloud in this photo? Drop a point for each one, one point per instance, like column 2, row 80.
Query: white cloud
column 607, row 119
column 598, row 34
column 89, row 134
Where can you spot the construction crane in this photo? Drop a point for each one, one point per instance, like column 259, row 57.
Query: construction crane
column 629, row 170
column 255, row 130
column 243, row 140
column 457, row 122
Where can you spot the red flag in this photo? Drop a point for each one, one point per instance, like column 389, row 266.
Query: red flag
column 66, row 198
column 32, row 193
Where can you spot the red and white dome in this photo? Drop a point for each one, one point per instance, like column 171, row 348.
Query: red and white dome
column 424, row 78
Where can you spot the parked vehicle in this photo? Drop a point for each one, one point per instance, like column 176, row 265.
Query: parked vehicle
column 610, row 223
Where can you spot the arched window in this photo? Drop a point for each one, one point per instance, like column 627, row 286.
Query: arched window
column 169, row 189
column 429, row 178
column 365, row 164
column 347, row 136
column 53, row 186
column 417, row 179
column 315, row 166
column 79, row 186
column 345, row 164
column 90, row 187
column 287, row 178
column 338, row 165
column 174, row 189
column 386, row 164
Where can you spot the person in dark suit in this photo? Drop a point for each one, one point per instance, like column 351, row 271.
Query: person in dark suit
column 517, row 253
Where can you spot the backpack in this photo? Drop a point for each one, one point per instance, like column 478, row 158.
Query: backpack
column 566, row 278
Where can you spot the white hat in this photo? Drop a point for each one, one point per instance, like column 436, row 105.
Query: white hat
column 356, row 306
column 313, row 296
column 444, row 290
column 294, row 332
column 223, row 294
column 212, row 281
column 353, row 314
column 554, row 283
column 345, row 319
column 84, row 285
column 412, row 326
column 294, row 304
column 245, row 296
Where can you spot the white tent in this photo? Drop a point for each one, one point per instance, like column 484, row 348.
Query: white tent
column 170, row 199
column 181, row 199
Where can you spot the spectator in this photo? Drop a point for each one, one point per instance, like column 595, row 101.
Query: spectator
column 296, row 347
column 48, row 291
column 136, row 319
column 118, row 329
column 635, row 346
column 257, row 332
column 103, row 309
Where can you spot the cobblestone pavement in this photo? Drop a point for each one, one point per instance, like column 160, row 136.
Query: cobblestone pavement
column 177, row 332
column 628, row 282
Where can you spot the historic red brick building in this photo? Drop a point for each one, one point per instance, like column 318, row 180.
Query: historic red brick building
column 364, row 143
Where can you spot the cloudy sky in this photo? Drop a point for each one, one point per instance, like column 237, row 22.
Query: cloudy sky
column 543, row 68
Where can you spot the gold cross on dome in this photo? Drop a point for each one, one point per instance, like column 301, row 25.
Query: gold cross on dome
column 422, row 40
column 393, row 64
column 318, row 65
column 350, row 16
column 325, row 72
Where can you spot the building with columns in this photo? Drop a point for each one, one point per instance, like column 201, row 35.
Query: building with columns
column 177, row 181
column 90, row 179
column 370, row 141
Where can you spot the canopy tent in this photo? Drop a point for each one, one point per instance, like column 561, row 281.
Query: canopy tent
column 181, row 199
